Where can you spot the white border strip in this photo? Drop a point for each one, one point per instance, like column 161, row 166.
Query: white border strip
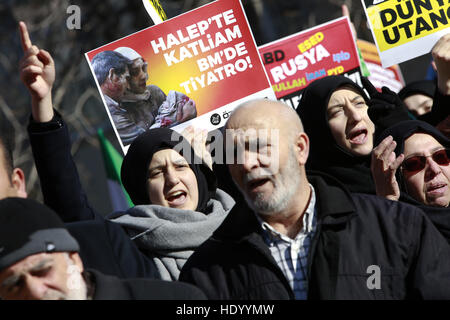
column 151, row 10
column 411, row 49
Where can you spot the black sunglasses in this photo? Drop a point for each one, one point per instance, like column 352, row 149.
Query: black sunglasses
column 417, row 163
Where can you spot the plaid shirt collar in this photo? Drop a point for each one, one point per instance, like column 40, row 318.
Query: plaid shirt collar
column 309, row 223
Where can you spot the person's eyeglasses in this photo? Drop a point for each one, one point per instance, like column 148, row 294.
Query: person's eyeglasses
column 417, row 163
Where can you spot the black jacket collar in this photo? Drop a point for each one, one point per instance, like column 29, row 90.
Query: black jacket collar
column 334, row 202
column 108, row 287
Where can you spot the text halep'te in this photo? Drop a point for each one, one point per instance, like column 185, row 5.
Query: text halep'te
column 192, row 31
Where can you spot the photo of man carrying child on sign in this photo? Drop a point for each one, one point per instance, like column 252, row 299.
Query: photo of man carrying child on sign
column 135, row 106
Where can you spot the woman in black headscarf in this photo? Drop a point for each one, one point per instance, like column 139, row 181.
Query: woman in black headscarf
column 340, row 120
column 423, row 178
column 177, row 203
column 418, row 96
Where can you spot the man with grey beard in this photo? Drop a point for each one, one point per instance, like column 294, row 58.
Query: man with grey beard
column 303, row 235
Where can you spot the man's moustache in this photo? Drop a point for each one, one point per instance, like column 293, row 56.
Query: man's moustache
column 260, row 173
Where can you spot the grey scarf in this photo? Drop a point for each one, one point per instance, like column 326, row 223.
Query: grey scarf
column 169, row 236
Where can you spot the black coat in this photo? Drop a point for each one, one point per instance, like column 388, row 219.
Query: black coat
column 113, row 288
column 439, row 216
column 104, row 245
column 354, row 231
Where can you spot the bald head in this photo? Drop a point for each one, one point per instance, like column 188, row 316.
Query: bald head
column 268, row 114
column 269, row 170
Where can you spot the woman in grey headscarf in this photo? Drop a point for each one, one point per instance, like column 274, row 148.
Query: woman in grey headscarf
column 177, row 203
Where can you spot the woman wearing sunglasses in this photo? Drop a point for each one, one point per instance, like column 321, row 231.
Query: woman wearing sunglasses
column 418, row 166
column 335, row 114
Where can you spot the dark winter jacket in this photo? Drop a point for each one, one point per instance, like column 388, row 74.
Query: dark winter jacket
column 356, row 234
column 112, row 288
column 104, row 245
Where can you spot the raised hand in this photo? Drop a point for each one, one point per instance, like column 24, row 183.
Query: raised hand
column 441, row 57
column 197, row 139
column 346, row 13
column 37, row 72
column 384, row 165
column 385, row 107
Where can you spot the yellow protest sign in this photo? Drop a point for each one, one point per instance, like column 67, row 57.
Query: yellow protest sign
column 413, row 25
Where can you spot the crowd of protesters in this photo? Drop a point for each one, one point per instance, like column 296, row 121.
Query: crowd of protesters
column 345, row 197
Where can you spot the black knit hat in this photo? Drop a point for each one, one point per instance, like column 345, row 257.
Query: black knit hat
column 28, row 227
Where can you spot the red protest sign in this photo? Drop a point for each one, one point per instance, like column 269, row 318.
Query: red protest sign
column 205, row 59
column 295, row 61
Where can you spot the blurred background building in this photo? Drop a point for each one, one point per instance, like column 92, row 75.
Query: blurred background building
column 75, row 93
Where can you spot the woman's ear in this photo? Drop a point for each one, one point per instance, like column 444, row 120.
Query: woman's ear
column 18, row 182
column 302, row 145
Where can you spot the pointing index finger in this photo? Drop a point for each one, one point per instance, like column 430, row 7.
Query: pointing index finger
column 24, row 36
column 345, row 11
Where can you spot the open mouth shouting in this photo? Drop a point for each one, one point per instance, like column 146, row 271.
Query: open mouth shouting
column 176, row 198
column 357, row 136
column 256, row 185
